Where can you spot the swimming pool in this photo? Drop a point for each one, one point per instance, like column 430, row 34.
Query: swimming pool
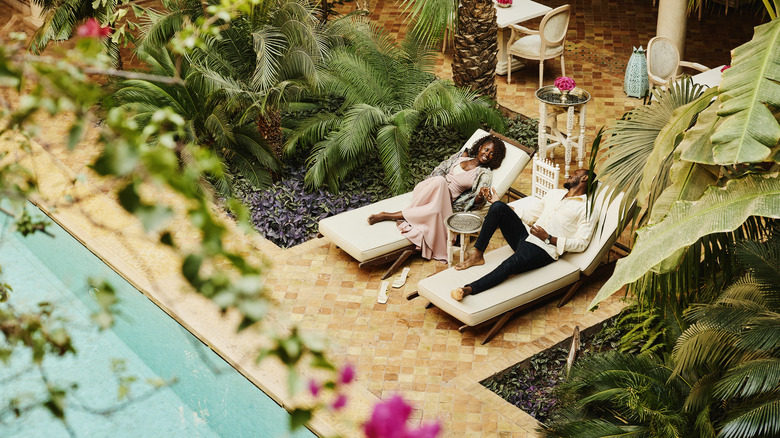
column 205, row 396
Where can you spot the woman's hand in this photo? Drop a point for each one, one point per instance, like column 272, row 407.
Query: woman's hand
column 493, row 195
column 486, row 193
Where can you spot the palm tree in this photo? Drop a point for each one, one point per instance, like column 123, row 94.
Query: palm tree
column 734, row 344
column 387, row 90
column 267, row 56
column 235, row 84
column 619, row 394
column 476, row 38
column 210, row 122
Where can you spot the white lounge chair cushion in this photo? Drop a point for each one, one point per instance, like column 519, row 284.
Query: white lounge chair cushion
column 515, row 292
column 351, row 232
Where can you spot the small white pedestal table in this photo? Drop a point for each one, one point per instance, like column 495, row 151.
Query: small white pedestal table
column 551, row 105
column 521, row 10
column 464, row 224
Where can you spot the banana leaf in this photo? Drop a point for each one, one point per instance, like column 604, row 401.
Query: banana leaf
column 749, row 89
column 718, row 210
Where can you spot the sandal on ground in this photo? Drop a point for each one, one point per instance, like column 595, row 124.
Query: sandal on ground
column 382, row 297
column 401, row 280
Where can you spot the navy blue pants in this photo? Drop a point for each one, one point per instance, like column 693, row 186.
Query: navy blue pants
column 527, row 256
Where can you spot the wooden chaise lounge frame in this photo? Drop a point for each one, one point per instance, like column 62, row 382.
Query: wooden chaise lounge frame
column 382, row 243
column 565, row 276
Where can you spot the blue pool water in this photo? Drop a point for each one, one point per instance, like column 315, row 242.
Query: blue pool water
column 208, row 398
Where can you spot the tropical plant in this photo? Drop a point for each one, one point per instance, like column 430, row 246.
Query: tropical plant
column 524, row 130
column 620, row 394
column 61, row 17
column 387, row 91
column 734, row 345
column 208, row 120
column 700, row 183
column 266, row 56
column 235, row 82
column 473, row 23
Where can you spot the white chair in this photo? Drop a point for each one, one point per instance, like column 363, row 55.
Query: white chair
column 663, row 62
column 544, row 176
column 546, row 43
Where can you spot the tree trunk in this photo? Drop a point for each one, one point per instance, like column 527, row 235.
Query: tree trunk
column 476, row 45
column 270, row 128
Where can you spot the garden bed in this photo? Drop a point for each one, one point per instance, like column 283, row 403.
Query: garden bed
column 530, row 385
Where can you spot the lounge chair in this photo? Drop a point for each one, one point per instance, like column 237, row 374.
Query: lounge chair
column 497, row 305
column 382, row 243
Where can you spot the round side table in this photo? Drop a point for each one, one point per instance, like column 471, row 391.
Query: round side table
column 465, row 225
column 552, row 104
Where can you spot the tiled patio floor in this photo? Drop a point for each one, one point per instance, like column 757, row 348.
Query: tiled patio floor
column 401, row 346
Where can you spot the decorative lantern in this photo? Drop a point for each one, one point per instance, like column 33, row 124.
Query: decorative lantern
column 636, row 83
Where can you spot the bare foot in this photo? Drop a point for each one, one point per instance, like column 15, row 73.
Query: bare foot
column 459, row 293
column 379, row 217
column 385, row 216
column 475, row 259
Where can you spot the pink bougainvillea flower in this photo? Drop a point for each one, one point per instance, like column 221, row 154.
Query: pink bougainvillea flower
column 91, row 28
column 347, row 374
column 314, row 387
column 388, row 419
column 725, row 67
column 341, row 401
column 565, row 83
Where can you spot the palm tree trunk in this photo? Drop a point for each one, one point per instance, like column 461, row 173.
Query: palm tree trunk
column 270, row 128
column 476, row 45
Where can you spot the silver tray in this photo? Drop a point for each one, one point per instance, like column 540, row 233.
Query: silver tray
column 550, row 94
column 464, row 222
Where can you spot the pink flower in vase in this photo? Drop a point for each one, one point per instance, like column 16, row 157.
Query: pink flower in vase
column 504, row 3
column 565, row 83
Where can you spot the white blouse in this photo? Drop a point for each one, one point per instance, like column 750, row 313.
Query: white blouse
column 563, row 218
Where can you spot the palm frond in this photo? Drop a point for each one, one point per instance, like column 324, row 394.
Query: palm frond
column 393, row 143
column 762, row 420
column 629, row 142
column 244, row 164
column 311, row 130
column 750, row 379
column 431, row 18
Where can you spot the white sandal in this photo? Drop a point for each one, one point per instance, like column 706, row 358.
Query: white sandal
column 382, row 297
column 401, row 280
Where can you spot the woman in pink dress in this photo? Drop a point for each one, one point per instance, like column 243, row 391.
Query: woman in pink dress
column 460, row 183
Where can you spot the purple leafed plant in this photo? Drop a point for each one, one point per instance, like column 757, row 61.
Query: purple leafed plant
column 287, row 213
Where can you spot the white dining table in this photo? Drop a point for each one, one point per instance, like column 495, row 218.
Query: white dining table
column 521, row 10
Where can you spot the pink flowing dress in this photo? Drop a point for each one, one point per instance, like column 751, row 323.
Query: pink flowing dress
column 431, row 205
